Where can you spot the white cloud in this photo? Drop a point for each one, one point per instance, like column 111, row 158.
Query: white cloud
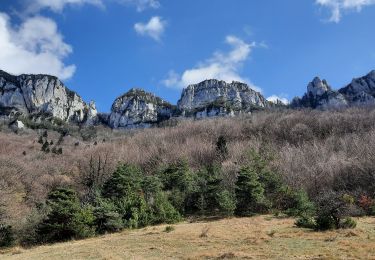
column 222, row 66
column 34, row 6
column 338, row 6
column 35, row 46
column 275, row 98
column 142, row 5
column 154, row 28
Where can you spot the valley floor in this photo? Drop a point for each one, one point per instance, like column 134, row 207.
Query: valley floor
column 260, row 237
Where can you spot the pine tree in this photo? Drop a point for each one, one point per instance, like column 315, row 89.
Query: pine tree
column 66, row 219
column 249, row 192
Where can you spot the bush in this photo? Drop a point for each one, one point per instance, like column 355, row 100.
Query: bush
column 305, row 222
column 124, row 189
column 297, row 203
column 181, row 185
column 227, row 203
column 124, row 181
column 107, row 219
column 7, row 237
column 249, row 193
column 348, row 223
column 331, row 209
column 162, row 210
column 65, row 219
column 221, row 147
column 326, row 222
column 209, row 187
column 169, row 229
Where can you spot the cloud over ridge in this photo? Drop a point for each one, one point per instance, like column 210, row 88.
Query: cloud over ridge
column 222, row 66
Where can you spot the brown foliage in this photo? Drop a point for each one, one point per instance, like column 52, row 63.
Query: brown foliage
column 314, row 150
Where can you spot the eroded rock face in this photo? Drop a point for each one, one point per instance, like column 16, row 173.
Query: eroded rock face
column 361, row 91
column 139, row 109
column 320, row 95
column 32, row 94
column 218, row 98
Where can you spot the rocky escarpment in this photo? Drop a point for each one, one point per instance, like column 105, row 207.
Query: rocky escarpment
column 42, row 94
column 218, row 98
column 361, row 91
column 320, row 95
column 139, row 109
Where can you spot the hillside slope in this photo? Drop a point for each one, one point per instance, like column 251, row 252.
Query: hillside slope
column 261, row 237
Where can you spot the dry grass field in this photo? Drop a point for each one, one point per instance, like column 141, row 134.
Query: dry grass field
column 261, row 237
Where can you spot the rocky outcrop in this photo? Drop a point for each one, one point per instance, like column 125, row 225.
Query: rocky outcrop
column 42, row 94
column 361, row 91
column 139, row 109
column 218, row 98
column 320, row 95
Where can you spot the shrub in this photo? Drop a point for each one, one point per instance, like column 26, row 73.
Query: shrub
column 45, row 147
column 305, row 222
column 169, row 229
column 7, row 237
column 331, row 209
column 209, row 187
column 221, row 147
column 249, row 193
column 162, row 210
column 181, row 185
column 348, row 223
column 297, row 203
column 134, row 211
column 107, row 219
column 227, row 203
column 65, row 219
column 124, row 181
column 366, row 203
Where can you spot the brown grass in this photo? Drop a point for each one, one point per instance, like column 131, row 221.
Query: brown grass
column 236, row 238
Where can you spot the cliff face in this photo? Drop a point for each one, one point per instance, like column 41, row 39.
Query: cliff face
column 361, row 91
column 47, row 95
column 33, row 94
column 218, row 98
column 320, row 95
column 138, row 109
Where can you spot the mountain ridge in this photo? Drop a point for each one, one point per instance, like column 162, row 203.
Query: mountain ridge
column 44, row 94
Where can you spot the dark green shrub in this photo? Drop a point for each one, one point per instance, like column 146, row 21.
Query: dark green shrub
column 209, row 186
column 124, row 189
column 325, row 222
column 45, row 147
column 249, row 193
column 227, row 203
column 7, row 237
column 305, row 222
column 133, row 210
column 124, row 181
column 332, row 208
column 181, row 186
column 221, row 147
column 107, row 219
column 162, row 211
column 65, row 219
column 348, row 223
column 296, row 203
column 169, row 229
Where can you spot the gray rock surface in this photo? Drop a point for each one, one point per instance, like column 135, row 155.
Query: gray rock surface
column 138, row 109
column 218, row 98
column 33, row 94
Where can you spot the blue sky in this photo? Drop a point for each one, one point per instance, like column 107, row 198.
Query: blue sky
column 102, row 48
